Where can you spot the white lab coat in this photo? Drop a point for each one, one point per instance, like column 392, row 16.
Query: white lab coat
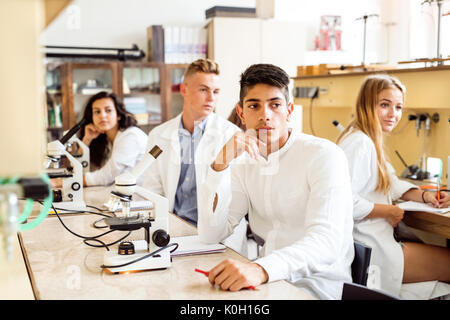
column 162, row 177
column 386, row 263
column 127, row 149
column 299, row 201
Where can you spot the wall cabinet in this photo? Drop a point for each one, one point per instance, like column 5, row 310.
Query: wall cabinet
column 149, row 90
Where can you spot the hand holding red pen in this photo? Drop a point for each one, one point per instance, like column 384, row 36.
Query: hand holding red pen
column 206, row 273
column 235, row 275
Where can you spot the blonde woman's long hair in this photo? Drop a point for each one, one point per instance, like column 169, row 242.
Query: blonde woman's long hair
column 367, row 120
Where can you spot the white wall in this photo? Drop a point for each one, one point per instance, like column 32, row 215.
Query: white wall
column 403, row 26
column 309, row 12
column 121, row 23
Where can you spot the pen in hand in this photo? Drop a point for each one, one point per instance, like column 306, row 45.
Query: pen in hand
column 206, row 273
column 438, row 195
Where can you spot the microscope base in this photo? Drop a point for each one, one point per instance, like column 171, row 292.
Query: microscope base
column 161, row 260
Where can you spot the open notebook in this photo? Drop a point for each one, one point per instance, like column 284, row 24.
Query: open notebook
column 419, row 206
column 191, row 245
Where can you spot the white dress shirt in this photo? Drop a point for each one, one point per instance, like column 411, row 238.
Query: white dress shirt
column 127, row 149
column 386, row 263
column 299, row 201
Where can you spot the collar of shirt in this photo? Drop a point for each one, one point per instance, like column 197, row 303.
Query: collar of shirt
column 198, row 129
column 279, row 152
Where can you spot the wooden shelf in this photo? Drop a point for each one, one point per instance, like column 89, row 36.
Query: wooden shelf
column 404, row 70
column 67, row 69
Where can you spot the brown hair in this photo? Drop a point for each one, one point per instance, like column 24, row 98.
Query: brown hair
column 202, row 65
column 235, row 119
column 98, row 148
column 367, row 120
column 263, row 73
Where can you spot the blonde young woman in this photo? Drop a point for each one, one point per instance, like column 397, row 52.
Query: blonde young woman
column 378, row 110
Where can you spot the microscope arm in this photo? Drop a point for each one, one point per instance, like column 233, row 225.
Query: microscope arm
column 160, row 203
column 125, row 184
column 146, row 161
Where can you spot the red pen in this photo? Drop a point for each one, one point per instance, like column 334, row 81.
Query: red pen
column 206, row 273
column 438, row 190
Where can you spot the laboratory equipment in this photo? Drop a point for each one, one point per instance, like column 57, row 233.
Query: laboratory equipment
column 438, row 36
column 139, row 254
column 339, row 126
column 11, row 190
column 413, row 171
column 365, row 17
column 73, row 146
column 418, row 118
column 70, row 196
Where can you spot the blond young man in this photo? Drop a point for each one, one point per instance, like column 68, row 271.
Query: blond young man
column 190, row 142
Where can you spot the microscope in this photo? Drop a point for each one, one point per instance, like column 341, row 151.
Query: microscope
column 70, row 197
column 73, row 146
column 139, row 254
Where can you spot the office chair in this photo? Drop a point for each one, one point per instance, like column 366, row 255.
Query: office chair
column 354, row 291
column 358, row 290
column 252, row 236
column 360, row 264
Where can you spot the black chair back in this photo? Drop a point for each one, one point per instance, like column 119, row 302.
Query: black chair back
column 353, row 291
column 360, row 264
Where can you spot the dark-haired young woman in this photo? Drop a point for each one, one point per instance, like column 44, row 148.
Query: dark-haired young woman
column 115, row 142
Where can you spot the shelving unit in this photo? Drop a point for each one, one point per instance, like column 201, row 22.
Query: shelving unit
column 149, row 90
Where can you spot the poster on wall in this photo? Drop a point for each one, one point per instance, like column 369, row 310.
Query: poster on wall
column 330, row 33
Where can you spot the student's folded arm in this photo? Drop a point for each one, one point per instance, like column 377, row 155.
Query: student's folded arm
column 328, row 224
column 222, row 205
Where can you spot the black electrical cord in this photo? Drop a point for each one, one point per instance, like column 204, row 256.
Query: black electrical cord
column 101, row 210
column 91, row 212
column 92, row 238
column 84, row 211
column 99, row 227
column 103, row 245
column 143, row 257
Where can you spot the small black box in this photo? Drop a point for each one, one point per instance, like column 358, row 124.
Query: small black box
column 238, row 12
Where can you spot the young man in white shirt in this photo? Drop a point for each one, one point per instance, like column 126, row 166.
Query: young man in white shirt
column 190, row 142
column 295, row 187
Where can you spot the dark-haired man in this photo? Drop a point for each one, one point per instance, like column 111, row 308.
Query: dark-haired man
column 295, row 187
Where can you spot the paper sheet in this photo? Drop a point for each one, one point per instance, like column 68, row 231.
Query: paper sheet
column 190, row 245
column 419, row 206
